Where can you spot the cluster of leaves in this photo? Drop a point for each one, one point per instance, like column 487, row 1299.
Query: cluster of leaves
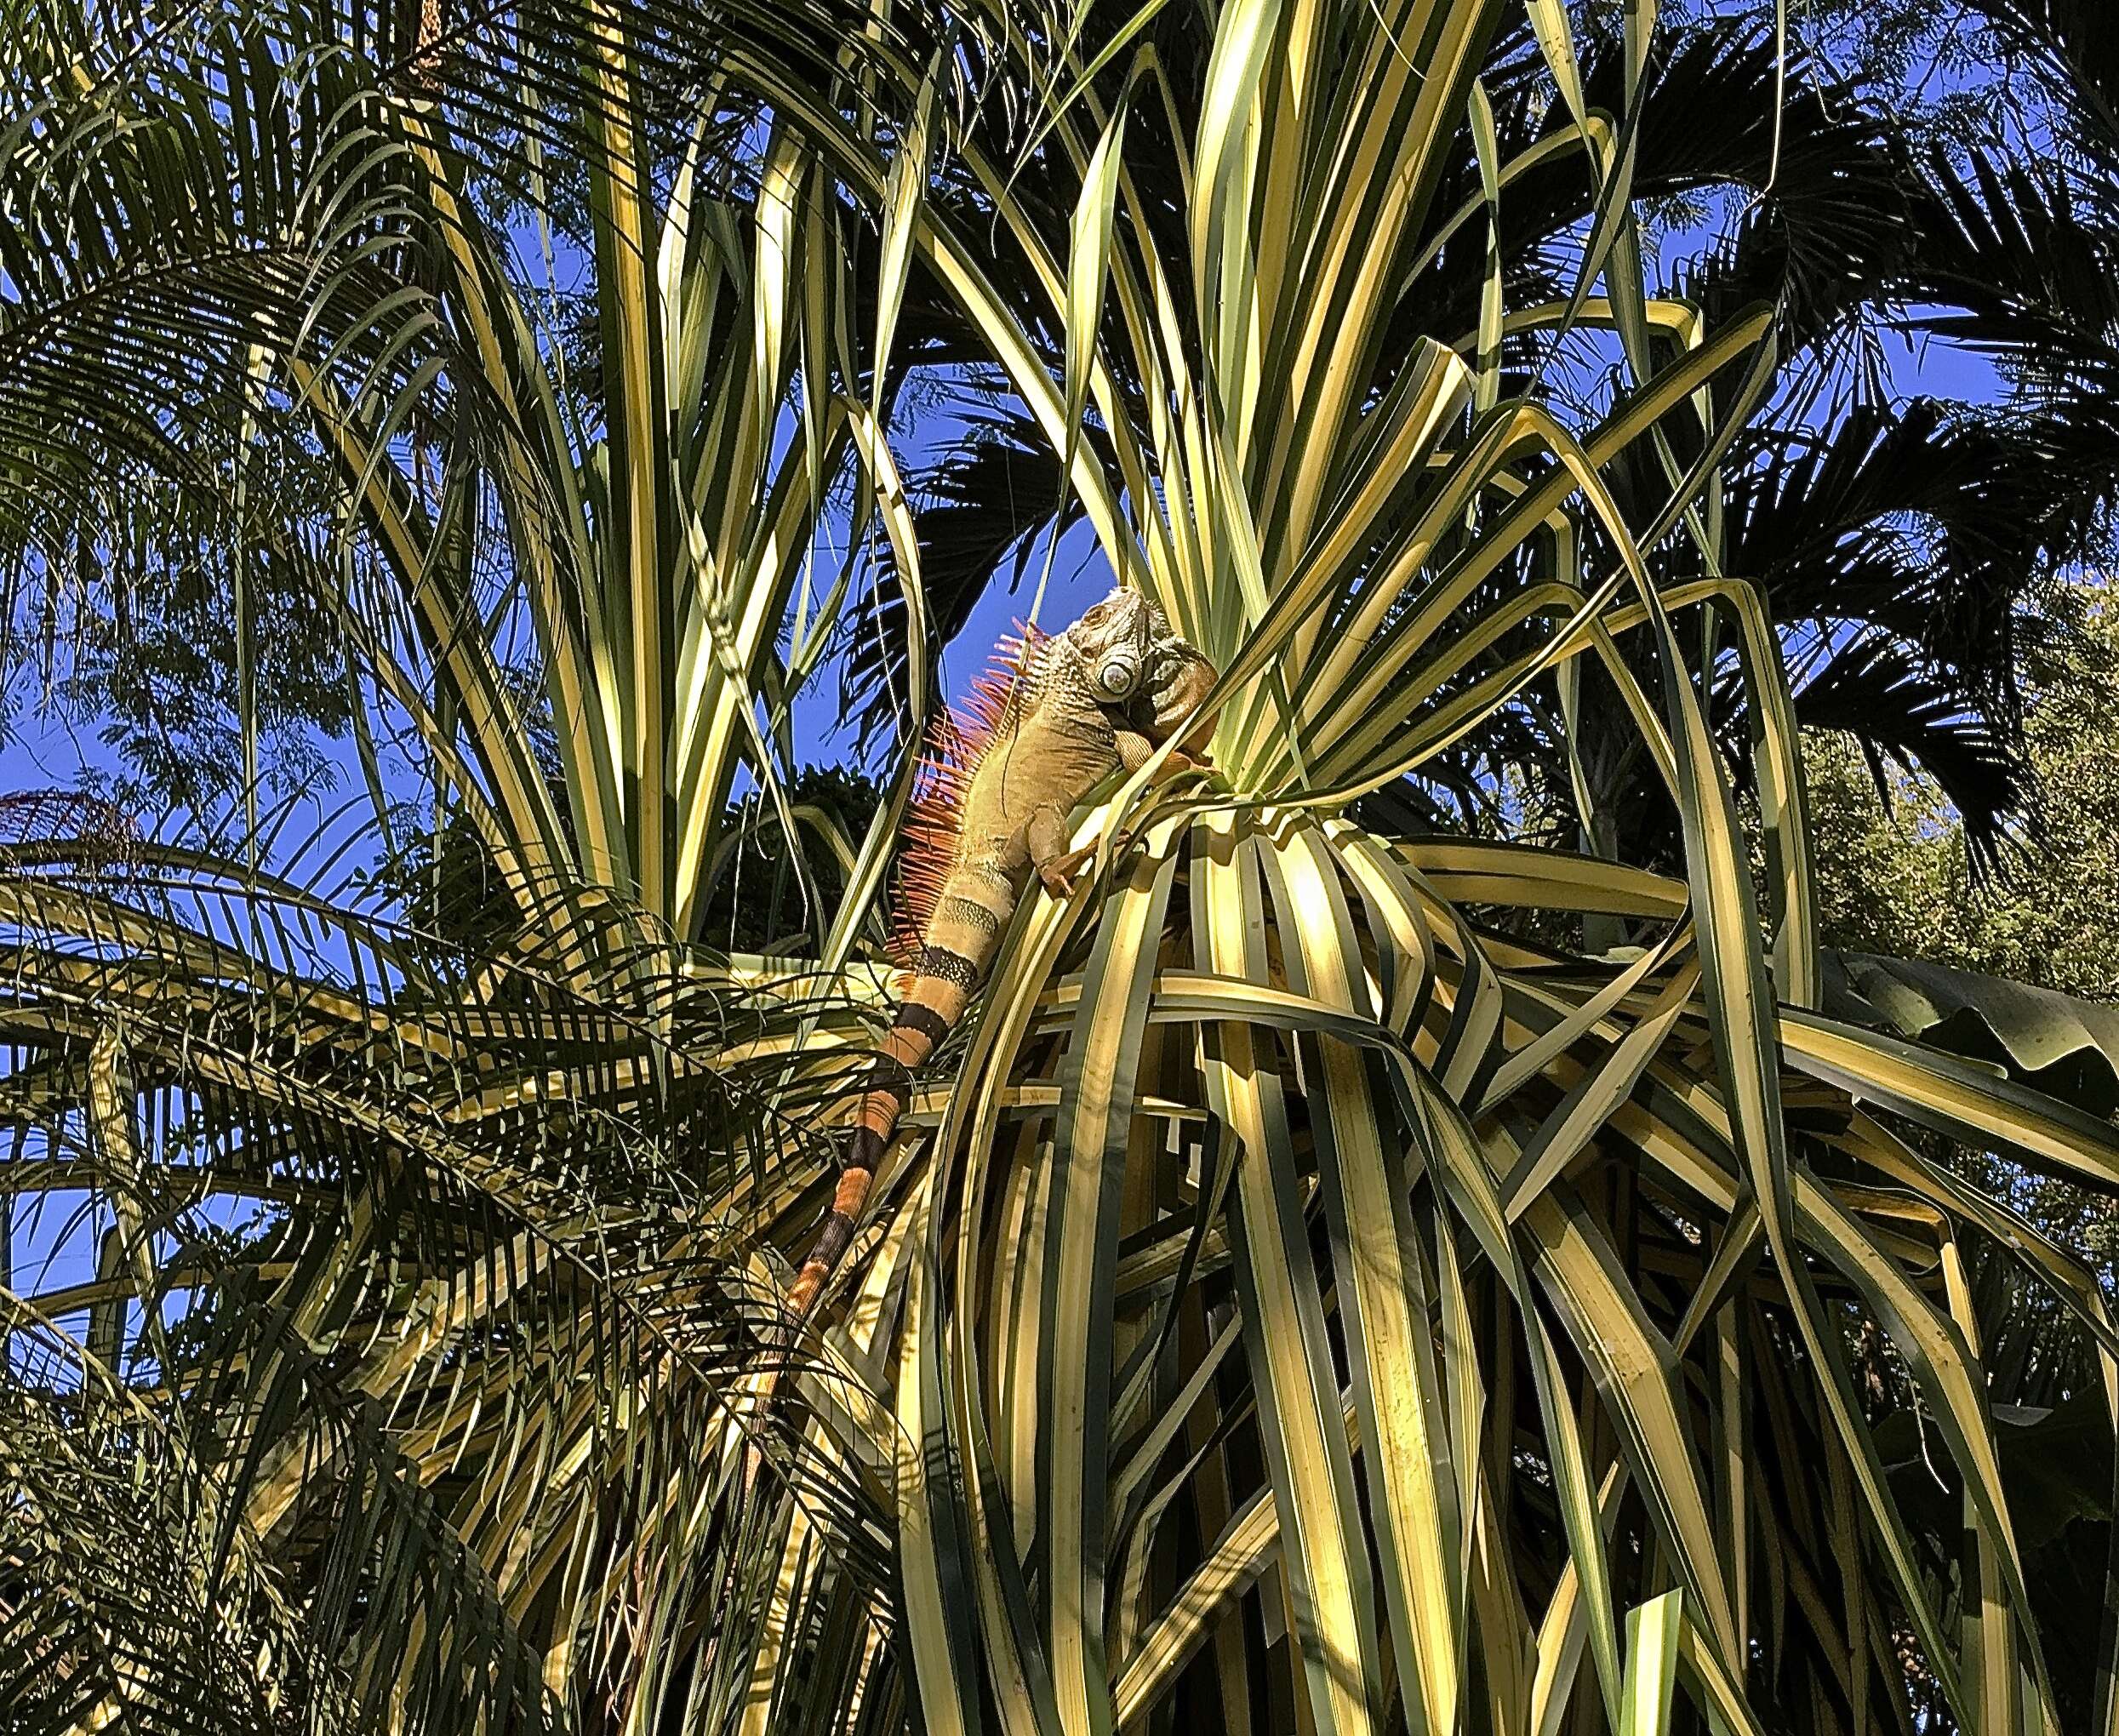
column 1896, row 873
column 1899, row 878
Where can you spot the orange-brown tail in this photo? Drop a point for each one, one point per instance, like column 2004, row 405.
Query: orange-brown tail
column 941, row 987
column 942, row 984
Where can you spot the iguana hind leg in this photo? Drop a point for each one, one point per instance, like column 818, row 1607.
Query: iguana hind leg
column 1058, row 866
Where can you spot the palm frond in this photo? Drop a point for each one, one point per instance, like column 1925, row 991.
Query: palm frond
column 469, row 1394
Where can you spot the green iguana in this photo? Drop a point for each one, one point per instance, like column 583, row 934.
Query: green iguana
column 1051, row 724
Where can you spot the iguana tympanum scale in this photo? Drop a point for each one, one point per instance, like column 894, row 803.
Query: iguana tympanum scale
column 1061, row 716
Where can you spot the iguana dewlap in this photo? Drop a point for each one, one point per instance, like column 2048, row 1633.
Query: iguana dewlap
column 1095, row 699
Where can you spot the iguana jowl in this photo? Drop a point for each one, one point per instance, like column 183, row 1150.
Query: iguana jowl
column 1097, row 699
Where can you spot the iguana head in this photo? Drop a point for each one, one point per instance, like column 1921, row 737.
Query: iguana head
column 1118, row 642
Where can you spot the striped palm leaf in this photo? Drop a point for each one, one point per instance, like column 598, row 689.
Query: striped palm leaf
column 1314, row 1307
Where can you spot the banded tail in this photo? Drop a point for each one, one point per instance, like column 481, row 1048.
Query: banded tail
column 943, row 983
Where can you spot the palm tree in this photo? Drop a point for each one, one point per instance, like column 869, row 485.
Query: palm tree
column 468, row 476
column 1316, row 1302
column 1903, row 548
column 505, row 1190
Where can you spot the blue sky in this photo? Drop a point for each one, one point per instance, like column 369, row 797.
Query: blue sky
column 46, row 750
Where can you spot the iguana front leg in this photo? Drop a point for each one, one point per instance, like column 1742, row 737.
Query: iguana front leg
column 1058, row 867
column 1134, row 748
column 1046, row 838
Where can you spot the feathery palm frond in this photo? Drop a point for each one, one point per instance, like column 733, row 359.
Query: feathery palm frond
column 449, row 1419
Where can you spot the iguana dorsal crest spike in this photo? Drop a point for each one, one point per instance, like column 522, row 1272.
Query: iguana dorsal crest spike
column 956, row 741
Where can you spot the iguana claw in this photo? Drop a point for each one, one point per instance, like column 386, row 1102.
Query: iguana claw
column 1061, row 872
